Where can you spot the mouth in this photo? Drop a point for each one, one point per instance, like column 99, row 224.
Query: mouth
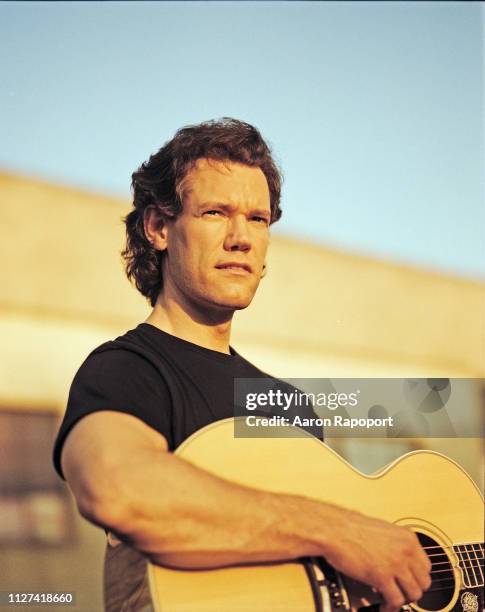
column 235, row 268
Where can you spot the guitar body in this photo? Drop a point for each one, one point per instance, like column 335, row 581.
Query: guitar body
column 422, row 490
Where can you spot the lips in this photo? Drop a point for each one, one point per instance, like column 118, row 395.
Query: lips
column 234, row 265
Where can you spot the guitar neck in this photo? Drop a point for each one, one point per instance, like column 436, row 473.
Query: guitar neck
column 471, row 563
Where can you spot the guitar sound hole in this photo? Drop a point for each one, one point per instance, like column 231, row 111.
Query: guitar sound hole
column 442, row 587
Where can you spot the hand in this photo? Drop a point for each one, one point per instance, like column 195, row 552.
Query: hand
column 386, row 556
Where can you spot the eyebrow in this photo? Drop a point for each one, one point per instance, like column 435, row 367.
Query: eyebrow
column 263, row 212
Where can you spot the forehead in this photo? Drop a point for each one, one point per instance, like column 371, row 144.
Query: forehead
column 225, row 182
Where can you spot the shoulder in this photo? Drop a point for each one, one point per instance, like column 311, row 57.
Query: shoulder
column 110, row 358
column 120, row 364
column 247, row 367
column 123, row 364
column 125, row 352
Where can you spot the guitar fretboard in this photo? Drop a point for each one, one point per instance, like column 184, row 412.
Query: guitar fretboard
column 470, row 561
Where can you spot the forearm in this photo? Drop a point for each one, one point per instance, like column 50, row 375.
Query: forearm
column 182, row 516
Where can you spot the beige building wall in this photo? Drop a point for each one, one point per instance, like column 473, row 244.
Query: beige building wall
column 318, row 313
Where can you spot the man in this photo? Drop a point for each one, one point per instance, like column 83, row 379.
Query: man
column 196, row 244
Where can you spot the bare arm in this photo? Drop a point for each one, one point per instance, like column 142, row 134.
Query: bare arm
column 124, row 479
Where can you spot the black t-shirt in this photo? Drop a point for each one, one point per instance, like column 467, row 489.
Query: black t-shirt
column 174, row 386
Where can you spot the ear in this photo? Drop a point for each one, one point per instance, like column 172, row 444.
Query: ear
column 156, row 229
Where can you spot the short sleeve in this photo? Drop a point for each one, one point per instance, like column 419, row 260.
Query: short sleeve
column 119, row 380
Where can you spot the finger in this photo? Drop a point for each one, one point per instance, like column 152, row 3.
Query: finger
column 409, row 586
column 393, row 597
column 422, row 559
column 423, row 578
column 421, row 567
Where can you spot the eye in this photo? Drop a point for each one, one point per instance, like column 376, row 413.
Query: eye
column 259, row 219
column 213, row 212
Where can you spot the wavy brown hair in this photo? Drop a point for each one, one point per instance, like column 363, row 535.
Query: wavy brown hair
column 157, row 184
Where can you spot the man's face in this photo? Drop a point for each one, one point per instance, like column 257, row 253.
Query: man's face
column 217, row 246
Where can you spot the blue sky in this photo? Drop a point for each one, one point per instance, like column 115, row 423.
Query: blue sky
column 374, row 110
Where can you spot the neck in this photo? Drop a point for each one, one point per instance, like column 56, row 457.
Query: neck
column 209, row 329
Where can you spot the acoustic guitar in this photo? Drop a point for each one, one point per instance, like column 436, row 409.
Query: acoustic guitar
column 422, row 490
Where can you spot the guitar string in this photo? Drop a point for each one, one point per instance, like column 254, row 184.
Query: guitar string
column 462, row 553
column 442, row 553
column 451, row 581
column 473, row 586
column 480, row 544
column 449, row 569
column 457, row 546
column 461, row 562
column 464, row 566
column 473, row 562
column 468, row 577
column 458, row 552
column 444, row 587
column 448, row 581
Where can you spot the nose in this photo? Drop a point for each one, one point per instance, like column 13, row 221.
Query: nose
column 237, row 235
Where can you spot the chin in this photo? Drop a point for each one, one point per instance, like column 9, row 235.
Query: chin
column 239, row 304
column 233, row 302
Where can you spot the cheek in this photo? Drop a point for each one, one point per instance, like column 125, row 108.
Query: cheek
column 193, row 261
column 261, row 246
